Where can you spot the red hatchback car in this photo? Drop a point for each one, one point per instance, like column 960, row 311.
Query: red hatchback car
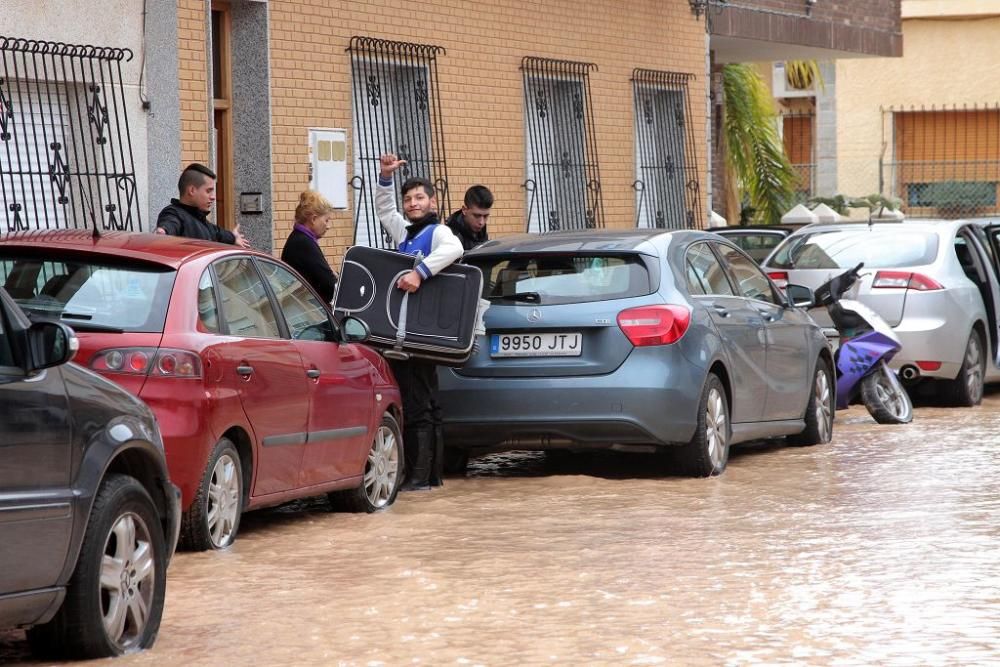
column 260, row 395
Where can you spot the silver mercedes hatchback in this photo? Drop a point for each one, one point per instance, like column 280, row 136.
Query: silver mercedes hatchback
column 935, row 282
column 636, row 340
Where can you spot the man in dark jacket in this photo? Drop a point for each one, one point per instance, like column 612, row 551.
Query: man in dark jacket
column 188, row 215
column 469, row 223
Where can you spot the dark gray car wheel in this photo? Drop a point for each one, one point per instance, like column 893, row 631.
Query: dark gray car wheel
column 213, row 519
column 819, row 411
column 114, row 601
column 383, row 473
column 708, row 451
column 966, row 390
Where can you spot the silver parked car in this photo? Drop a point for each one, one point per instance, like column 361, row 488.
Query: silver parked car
column 636, row 340
column 935, row 282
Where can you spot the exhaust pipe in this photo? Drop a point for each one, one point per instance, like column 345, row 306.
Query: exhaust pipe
column 909, row 372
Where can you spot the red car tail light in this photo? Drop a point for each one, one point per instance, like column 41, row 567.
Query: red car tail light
column 778, row 275
column 148, row 361
column 780, row 278
column 905, row 280
column 654, row 325
column 929, row 365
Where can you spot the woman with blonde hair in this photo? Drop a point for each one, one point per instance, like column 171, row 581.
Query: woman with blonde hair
column 302, row 252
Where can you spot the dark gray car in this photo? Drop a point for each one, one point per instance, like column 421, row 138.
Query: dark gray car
column 88, row 517
column 636, row 340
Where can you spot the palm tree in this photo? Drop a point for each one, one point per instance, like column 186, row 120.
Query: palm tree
column 759, row 174
column 801, row 74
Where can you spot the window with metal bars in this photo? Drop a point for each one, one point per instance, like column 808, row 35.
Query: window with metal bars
column 563, row 184
column 65, row 143
column 667, row 189
column 946, row 162
column 397, row 109
column 798, row 132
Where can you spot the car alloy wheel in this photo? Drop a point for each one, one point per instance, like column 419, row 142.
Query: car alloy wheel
column 114, row 599
column 128, row 576
column 824, row 406
column 974, row 369
column 715, row 427
column 381, row 478
column 223, row 501
column 382, row 469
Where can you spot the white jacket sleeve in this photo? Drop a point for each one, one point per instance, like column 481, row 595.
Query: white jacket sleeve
column 446, row 249
column 385, row 208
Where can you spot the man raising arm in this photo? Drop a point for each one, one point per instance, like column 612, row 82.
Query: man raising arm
column 416, row 232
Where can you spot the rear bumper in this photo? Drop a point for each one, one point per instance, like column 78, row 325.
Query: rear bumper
column 651, row 399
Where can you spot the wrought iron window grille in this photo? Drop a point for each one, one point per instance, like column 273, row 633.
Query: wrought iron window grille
column 66, row 157
column 563, row 184
column 397, row 109
column 667, row 186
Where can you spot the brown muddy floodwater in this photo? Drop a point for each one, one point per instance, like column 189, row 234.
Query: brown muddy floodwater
column 882, row 548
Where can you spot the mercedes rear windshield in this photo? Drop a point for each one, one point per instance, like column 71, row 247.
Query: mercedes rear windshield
column 550, row 279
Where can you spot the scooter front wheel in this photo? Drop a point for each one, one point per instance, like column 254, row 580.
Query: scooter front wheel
column 885, row 397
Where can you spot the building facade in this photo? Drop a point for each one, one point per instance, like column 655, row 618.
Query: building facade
column 567, row 122
column 575, row 114
column 772, row 32
column 925, row 128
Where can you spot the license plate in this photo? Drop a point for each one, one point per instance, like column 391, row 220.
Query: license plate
column 536, row 345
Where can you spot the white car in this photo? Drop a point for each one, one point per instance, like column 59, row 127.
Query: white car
column 935, row 282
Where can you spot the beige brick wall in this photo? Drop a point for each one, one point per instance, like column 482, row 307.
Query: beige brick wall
column 480, row 83
column 192, row 64
column 481, row 86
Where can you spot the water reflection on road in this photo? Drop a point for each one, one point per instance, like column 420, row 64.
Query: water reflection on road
column 883, row 547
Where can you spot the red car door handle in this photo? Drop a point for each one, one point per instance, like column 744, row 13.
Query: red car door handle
column 244, row 370
column 313, row 373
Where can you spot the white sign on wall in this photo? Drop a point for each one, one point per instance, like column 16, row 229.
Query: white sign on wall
column 328, row 158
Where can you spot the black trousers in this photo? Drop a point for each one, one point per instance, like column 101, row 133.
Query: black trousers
column 422, row 435
column 418, row 385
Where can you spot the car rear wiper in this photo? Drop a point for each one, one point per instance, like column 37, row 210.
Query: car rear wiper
column 530, row 297
column 90, row 326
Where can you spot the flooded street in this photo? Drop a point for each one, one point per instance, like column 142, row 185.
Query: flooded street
column 880, row 548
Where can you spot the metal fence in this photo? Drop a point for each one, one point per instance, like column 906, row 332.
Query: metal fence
column 668, row 193
column 65, row 146
column 397, row 109
column 942, row 162
column 563, row 186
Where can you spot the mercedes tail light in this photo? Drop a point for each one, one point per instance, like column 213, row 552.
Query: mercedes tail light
column 654, row 325
column 148, row 361
column 780, row 278
column 905, row 280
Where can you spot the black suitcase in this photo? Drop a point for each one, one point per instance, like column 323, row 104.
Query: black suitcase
column 439, row 318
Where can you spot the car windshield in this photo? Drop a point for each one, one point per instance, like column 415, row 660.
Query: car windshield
column 843, row 249
column 558, row 279
column 87, row 294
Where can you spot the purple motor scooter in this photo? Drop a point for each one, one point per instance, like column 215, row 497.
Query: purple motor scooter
column 867, row 344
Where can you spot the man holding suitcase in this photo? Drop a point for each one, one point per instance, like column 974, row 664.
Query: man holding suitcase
column 419, row 233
